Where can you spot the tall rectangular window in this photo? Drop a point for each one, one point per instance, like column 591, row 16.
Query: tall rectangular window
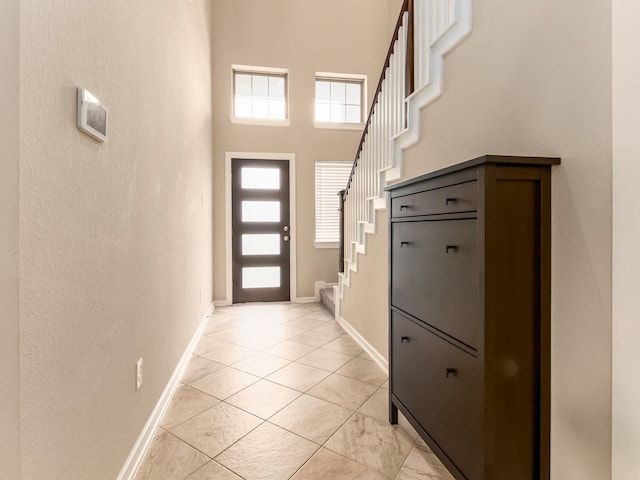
column 260, row 95
column 339, row 100
column 331, row 177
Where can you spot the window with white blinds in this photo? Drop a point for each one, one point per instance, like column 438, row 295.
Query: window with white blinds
column 331, row 177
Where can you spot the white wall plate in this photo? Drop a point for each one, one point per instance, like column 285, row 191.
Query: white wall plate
column 92, row 117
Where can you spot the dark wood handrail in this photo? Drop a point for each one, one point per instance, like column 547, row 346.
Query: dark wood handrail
column 407, row 6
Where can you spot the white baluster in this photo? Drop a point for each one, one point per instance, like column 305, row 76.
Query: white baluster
column 372, row 162
column 345, row 240
column 352, row 217
column 357, row 190
column 385, row 135
column 365, row 180
column 374, row 138
column 363, row 183
column 400, row 86
column 346, row 229
column 376, row 159
column 400, row 55
column 389, row 153
column 387, row 123
column 376, row 155
column 383, row 132
column 394, row 91
column 354, row 200
column 403, row 69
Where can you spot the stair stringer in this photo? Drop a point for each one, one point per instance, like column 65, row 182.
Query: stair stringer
column 450, row 38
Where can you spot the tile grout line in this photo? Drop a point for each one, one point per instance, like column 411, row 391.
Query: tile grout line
column 195, row 415
column 226, row 343
column 334, row 372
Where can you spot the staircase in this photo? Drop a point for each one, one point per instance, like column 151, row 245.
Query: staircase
column 411, row 79
column 327, row 298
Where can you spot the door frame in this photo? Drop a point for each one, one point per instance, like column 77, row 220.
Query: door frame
column 291, row 158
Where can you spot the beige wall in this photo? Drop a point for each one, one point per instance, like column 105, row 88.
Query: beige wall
column 115, row 238
column 305, row 37
column 9, row 320
column 626, row 238
column 534, row 78
column 393, row 11
column 365, row 305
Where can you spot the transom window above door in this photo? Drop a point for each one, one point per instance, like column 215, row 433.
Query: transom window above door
column 260, row 95
column 339, row 101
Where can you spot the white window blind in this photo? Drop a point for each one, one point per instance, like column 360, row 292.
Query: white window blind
column 331, row 177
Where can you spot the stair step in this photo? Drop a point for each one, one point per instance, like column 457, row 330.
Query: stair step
column 326, row 298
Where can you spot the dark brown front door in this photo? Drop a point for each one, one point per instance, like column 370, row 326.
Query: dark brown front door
column 261, row 230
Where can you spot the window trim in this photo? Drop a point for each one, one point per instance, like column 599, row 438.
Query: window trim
column 345, row 78
column 265, row 71
column 338, row 126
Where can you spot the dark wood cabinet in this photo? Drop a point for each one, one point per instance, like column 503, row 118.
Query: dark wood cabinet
column 469, row 333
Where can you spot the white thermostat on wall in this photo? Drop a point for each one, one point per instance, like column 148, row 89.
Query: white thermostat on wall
column 92, row 117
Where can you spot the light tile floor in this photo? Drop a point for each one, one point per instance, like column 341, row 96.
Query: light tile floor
column 280, row 391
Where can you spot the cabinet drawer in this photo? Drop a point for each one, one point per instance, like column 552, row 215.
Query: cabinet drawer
column 453, row 199
column 434, row 275
column 441, row 386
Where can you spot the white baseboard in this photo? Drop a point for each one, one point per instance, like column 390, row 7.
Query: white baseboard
column 134, row 460
column 304, row 300
column 366, row 346
column 224, row 303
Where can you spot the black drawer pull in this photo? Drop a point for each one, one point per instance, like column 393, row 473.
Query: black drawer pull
column 451, row 371
column 451, row 248
column 402, row 207
column 451, row 201
column 404, row 244
column 404, row 340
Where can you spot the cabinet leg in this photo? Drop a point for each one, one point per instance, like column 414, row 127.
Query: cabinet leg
column 393, row 413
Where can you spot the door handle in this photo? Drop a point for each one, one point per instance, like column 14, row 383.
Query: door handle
column 286, row 238
column 286, row 228
column 404, row 340
column 451, row 371
column 452, row 201
column 451, row 248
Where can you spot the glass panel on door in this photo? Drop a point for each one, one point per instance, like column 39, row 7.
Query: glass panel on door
column 260, row 178
column 260, row 211
column 261, row 277
column 261, row 244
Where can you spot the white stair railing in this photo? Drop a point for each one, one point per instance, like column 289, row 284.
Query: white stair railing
column 385, row 121
column 425, row 32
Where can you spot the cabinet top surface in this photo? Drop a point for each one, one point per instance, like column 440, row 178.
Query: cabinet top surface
column 476, row 162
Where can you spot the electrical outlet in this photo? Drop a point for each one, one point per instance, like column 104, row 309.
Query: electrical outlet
column 139, row 377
